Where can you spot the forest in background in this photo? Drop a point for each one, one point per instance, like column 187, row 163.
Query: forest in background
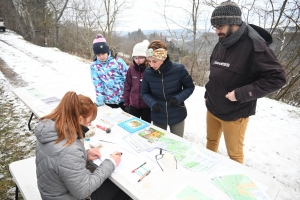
column 71, row 26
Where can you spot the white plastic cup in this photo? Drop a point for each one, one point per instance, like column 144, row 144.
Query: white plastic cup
column 169, row 161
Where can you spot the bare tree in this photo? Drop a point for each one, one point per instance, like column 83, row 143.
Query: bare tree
column 107, row 24
column 13, row 19
column 192, row 40
column 287, row 35
column 84, row 19
column 79, row 25
column 58, row 8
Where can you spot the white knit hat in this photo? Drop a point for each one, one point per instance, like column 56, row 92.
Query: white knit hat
column 140, row 49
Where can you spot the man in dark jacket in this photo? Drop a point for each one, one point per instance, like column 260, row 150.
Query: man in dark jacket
column 242, row 69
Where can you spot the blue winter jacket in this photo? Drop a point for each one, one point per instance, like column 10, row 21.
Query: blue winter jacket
column 108, row 78
column 159, row 86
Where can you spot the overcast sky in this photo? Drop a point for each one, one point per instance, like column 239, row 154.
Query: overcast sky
column 148, row 15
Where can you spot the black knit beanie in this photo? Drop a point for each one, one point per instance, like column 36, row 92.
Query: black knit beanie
column 99, row 45
column 227, row 12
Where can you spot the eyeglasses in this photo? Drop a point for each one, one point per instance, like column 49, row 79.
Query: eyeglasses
column 219, row 27
column 138, row 58
column 160, row 156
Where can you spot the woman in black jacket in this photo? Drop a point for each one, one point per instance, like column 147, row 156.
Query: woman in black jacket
column 165, row 87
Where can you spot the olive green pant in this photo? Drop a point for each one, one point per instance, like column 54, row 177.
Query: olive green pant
column 176, row 129
column 234, row 134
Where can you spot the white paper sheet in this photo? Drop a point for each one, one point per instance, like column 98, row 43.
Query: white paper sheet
column 108, row 149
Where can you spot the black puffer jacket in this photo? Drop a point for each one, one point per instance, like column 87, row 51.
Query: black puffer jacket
column 250, row 68
column 158, row 86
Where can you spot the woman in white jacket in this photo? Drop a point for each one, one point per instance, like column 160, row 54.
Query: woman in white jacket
column 61, row 157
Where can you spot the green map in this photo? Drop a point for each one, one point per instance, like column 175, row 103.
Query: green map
column 189, row 193
column 241, row 187
column 188, row 156
column 175, row 145
column 35, row 93
column 219, row 184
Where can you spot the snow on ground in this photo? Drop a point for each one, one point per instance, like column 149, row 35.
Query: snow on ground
column 272, row 143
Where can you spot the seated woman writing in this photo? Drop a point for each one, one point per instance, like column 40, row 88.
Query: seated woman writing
column 61, row 157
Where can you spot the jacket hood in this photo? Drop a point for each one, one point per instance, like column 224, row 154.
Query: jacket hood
column 109, row 58
column 110, row 54
column 261, row 33
column 166, row 66
column 137, row 67
column 45, row 131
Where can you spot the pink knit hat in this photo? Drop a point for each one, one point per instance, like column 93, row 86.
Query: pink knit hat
column 99, row 45
column 99, row 38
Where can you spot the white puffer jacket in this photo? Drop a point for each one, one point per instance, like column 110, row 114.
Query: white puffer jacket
column 61, row 170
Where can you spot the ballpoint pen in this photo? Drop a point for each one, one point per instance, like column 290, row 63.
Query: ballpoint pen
column 138, row 167
column 98, row 157
column 108, row 141
column 146, row 174
column 119, row 154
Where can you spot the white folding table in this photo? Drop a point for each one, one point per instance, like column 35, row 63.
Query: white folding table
column 157, row 185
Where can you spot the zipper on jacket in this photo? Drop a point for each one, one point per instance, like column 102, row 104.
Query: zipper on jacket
column 139, row 87
column 162, row 82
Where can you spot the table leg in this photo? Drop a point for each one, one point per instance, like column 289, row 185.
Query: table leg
column 17, row 192
column 30, row 121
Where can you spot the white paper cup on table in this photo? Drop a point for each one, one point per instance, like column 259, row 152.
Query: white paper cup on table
column 169, row 161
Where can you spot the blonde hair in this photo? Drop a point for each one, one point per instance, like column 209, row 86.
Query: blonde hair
column 67, row 113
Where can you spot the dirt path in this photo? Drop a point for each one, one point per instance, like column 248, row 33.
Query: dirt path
column 13, row 78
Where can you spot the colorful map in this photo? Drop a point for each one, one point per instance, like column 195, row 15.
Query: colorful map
column 240, row 187
column 151, row 134
column 189, row 157
column 189, row 193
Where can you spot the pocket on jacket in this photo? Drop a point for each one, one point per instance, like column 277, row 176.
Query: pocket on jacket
column 182, row 104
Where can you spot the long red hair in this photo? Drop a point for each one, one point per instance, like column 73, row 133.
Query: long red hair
column 67, row 114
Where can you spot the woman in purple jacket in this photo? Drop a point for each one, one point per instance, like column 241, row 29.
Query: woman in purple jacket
column 133, row 102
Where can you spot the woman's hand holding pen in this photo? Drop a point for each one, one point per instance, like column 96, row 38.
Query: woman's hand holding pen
column 93, row 153
column 117, row 157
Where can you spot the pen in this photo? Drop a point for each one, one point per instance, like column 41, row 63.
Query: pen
column 138, row 167
column 119, row 154
column 146, row 174
column 108, row 141
column 98, row 157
